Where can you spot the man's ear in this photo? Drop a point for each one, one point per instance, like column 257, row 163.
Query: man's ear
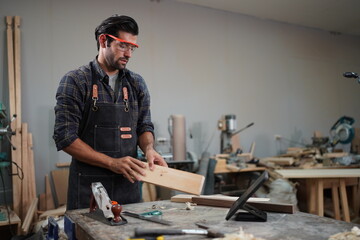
column 102, row 40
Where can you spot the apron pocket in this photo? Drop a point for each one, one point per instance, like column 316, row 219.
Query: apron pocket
column 106, row 139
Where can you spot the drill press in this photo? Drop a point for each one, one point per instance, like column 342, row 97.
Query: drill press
column 227, row 125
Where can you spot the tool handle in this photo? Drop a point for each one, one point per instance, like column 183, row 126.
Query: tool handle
column 139, row 232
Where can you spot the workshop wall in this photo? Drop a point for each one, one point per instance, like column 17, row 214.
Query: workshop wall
column 198, row 62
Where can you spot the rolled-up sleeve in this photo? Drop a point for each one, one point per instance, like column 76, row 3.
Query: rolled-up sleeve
column 68, row 110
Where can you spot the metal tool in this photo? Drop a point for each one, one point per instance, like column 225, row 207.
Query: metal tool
column 139, row 232
column 102, row 208
column 102, row 199
column 342, row 131
column 227, row 125
column 151, row 219
column 6, row 130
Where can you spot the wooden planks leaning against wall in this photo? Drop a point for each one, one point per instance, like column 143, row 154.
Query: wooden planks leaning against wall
column 22, row 155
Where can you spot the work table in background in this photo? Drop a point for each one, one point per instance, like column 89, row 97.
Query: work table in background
column 278, row 226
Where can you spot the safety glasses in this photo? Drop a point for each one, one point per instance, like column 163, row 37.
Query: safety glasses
column 124, row 45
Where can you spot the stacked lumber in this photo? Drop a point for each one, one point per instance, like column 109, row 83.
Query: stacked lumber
column 298, row 157
column 22, row 155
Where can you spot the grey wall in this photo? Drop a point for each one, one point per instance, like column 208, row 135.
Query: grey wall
column 198, row 62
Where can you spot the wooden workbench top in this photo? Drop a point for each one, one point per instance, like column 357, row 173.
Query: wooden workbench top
column 319, row 173
column 279, row 226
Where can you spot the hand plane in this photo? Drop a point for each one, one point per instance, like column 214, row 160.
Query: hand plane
column 102, row 208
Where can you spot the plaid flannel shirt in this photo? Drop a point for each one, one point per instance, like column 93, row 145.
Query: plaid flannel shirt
column 75, row 90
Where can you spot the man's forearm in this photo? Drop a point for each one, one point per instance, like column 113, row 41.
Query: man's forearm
column 84, row 153
column 146, row 141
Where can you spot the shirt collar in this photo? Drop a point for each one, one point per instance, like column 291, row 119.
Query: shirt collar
column 103, row 76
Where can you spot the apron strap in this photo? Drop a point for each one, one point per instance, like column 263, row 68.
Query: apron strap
column 89, row 104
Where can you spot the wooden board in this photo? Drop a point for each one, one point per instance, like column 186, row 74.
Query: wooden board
column 48, row 194
column 257, row 203
column 283, row 161
column 54, row 212
column 42, row 202
column 335, row 155
column 64, row 164
column 174, row 179
column 227, row 201
column 25, row 166
column 222, row 167
column 32, row 191
column 182, row 198
column 148, row 192
column 60, row 179
column 17, row 66
column 29, row 216
column 319, row 173
column 16, row 182
column 215, row 198
column 11, row 72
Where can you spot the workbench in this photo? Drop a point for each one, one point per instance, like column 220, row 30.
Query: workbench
column 336, row 180
column 278, row 226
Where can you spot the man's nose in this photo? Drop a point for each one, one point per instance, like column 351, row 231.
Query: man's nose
column 128, row 52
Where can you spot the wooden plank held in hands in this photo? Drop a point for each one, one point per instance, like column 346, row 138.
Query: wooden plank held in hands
column 174, row 179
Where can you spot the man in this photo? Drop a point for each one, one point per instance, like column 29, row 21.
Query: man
column 102, row 114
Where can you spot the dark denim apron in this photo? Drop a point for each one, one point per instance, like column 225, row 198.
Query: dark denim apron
column 110, row 128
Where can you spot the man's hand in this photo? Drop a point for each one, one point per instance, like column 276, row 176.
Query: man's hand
column 130, row 168
column 153, row 158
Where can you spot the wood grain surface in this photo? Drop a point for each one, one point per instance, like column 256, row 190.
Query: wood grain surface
column 278, row 227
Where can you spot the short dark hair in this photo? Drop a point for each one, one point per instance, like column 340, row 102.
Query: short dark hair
column 113, row 25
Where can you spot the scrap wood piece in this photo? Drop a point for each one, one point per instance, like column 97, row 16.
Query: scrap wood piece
column 148, row 192
column 48, row 194
column 174, row 179
column 284, row 161
column 182, row 198
column 240, row 235
column 259, row 203
column 63, row 164
column 354, row 234
column 227, row 201
column 335, row 155
column 53, row 213
column 188, row 198
column 42, row 202
column 298, row 152
column 60, row 180
column 29, row 216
